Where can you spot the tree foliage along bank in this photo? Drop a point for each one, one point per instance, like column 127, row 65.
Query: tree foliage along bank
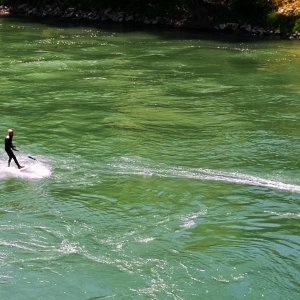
column 259, row 12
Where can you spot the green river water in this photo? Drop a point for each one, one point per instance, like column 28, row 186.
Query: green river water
column 167, row 165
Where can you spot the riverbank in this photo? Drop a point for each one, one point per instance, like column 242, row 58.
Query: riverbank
column 109, row 15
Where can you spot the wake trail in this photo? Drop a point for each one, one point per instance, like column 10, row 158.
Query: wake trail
column 129, row 167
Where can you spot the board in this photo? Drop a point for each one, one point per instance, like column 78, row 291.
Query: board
column 24, row 168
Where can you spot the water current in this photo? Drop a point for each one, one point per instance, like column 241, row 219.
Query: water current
column 167, row 164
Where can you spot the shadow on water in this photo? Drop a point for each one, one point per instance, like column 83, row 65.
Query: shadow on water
column 165, row 32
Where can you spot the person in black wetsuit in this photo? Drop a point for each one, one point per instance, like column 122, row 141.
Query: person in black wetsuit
column 9, row 147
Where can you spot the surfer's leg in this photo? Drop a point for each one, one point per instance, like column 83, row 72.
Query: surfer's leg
column 16, row 161
column 9, row 157
column 12, row 156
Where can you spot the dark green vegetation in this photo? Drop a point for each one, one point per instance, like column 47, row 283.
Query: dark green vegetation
column 240, row 9
column 283, row 22
column 205, row 13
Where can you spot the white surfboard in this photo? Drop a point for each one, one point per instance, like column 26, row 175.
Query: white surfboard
column 24, row 168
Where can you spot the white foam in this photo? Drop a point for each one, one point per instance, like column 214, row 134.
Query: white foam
column 34, row 170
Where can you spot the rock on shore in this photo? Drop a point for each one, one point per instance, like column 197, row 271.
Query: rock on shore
column 4, row 10
column 122, row 17
column 254, row 30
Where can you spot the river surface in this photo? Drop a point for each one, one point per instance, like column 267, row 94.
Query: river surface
column 166, row 165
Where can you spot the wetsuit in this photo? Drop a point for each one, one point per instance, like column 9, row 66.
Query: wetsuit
column 9, row 147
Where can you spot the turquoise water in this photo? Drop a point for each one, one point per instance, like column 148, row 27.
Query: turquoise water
column 167, row 165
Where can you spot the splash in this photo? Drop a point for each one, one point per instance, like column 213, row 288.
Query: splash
column 129, row 166
column 34, row 169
